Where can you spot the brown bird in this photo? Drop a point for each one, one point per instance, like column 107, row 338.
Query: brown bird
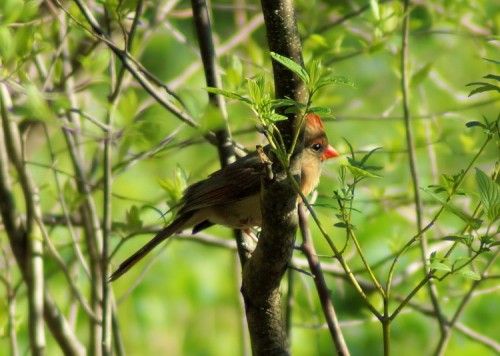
column 231, row 195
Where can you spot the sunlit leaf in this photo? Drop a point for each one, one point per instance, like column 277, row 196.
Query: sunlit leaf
column 335, row 80
column 469, row 274
column 375, row 9
column 228, row 94
column 489, row 192
column 277, row 117
column 358, row 172
column 440, row 266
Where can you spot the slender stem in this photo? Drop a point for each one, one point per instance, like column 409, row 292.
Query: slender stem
column 405, row 79
column 106, row 236
column 321, row 286
column 334, row 248
column 443, row 341
column 365, row 262
column 11, row 305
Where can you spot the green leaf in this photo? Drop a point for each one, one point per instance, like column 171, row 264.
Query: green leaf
column 368, row 155
column 466, row 240
column 421, row 75
column 228, row 94
column 7, row 44
column 492, row 60
column 489, row 192
column 277, row 117
column 440, row 266
column 375, row 9
column 469, row 274
column 492, row 76
column 23, row 40
column 234, row 71
column 340, row 225
column 475, row 123
column 279, row 103
column 172, row 188
column 133, row 218
column 315, row 73
column 180, row 178
column 37, row 104
column 473, row 222
column 294, row 67
column 483, row 87
column 343, row 225
column 320, row 110
column 256, row 90
column 358, row 172
column 335, row 80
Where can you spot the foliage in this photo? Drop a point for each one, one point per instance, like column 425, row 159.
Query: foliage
column 70, row 93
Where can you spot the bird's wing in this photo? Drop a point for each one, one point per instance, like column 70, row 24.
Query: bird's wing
column 235, row 182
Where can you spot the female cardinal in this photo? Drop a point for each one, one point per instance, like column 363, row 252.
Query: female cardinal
column 231, row 196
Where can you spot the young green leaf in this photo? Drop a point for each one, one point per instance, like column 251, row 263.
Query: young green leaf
column 440, row 266
column 228, row 94
column 277, row 117
column 255, row 90
column 315, row 70
column 133, row 218
column 375, row 9
column 469, row 274
column 421, row 75
column 489, row 192
column 294, row 67
column 361, row 173
column 335, row 80
column 343, row 225
column 320, row 110
column 466, row 240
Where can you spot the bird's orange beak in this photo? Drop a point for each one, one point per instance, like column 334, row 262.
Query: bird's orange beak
column 330, row 152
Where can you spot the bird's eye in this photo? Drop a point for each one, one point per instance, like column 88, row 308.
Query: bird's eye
column 316, row 147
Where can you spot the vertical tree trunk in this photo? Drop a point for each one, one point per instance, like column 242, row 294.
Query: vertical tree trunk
column 262, row 274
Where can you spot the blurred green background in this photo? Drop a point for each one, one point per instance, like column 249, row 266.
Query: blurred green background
column 188, row 302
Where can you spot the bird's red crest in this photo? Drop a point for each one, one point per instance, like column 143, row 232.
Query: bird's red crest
column 314, row 121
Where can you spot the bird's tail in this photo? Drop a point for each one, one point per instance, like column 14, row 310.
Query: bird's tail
column 171, row 229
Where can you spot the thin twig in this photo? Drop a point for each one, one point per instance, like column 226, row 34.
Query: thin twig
column 319, row 279
column 410, row 142
column 443, row 341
